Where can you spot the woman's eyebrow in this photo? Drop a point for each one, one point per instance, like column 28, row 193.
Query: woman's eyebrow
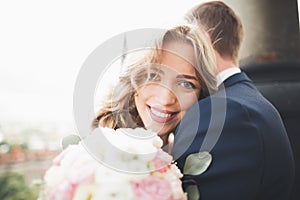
column 187, row 76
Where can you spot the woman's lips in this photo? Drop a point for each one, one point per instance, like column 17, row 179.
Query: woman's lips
column 161, row 116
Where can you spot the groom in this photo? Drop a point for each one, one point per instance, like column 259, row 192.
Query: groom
column 251, row 153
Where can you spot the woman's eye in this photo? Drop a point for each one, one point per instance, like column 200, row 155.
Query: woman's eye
column 187, row 85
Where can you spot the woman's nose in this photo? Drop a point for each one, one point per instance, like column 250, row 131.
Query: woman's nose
column 166, row 96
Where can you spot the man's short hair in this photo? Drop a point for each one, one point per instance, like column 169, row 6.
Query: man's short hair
column 222, row 24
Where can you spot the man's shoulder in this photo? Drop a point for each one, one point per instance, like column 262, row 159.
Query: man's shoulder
column 237, row 105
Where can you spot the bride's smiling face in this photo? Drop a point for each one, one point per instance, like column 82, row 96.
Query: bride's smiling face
column 171, row 89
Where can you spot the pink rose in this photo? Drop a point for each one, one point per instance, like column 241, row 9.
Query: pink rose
column 162, row 161
column 73, row 167
column 161, row 166
column 151, row 188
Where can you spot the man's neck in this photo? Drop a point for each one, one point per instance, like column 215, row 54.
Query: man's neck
column 224, row 63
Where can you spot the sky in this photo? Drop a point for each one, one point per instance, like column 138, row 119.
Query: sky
column 43, row 45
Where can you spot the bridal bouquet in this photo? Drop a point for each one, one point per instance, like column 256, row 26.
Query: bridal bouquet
column 108, row 164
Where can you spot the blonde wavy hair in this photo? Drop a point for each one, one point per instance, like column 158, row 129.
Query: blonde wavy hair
column 119, row 109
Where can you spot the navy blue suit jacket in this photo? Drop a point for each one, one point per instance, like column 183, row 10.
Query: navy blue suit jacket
column 251, row 153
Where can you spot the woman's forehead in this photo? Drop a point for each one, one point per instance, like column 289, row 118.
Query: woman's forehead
column 178, row 50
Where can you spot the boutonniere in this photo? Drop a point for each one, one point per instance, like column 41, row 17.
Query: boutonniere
column 196, row 164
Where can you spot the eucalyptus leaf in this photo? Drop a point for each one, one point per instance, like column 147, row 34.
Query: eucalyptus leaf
column 193, row 193
column 197, row 163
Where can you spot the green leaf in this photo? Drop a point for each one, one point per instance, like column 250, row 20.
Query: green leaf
column 197, row 163
column 193, row 193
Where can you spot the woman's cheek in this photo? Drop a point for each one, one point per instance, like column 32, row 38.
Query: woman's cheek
column 146, row 90
column 187, row 100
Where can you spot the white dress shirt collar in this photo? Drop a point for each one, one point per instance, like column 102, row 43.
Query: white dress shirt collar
column 225, row 74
